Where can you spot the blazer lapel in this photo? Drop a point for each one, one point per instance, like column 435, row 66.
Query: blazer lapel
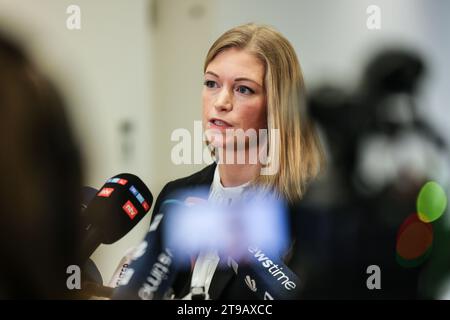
column 220, row 280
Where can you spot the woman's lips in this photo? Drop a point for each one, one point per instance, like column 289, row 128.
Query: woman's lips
column 219, row 124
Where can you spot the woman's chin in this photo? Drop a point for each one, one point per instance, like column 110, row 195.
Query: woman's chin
column 220, row 144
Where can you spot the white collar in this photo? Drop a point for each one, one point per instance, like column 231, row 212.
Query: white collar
column 217, row 185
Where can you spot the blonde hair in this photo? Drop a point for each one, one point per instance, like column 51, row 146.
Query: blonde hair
column 301, row 157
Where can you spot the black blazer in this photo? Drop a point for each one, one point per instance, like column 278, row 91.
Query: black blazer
column 222, row 285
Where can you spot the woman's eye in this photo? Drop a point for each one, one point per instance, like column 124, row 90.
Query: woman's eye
column 245, row 90
column 210, row 83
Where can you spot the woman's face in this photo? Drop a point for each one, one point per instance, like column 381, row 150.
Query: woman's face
column 233, row 95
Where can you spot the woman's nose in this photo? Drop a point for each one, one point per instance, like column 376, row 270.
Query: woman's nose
column 223, row 101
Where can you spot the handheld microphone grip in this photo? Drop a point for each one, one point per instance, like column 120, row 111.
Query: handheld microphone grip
column 267, row 276
column 119, row 206
column 153, row 270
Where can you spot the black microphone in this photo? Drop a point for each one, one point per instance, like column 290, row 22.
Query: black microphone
column 119, row 205
column 154, row 267
column 266, row 276
column 87, row 194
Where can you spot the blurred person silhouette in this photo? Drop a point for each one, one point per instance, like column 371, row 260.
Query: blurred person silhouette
column 40, row 182
column 381, row 153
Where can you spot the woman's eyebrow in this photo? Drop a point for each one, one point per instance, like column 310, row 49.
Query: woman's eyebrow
column 212, row 73
column 237, row 79
column 247, row 79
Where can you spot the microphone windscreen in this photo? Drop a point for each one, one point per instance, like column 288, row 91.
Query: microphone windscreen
column 87, row 194
column 119, row 205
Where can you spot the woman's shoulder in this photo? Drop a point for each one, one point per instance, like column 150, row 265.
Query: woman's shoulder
column 193, row 182
column 202, row 177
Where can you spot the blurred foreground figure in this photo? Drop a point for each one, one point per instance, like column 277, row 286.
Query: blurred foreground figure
column 40, row 182
column 381, row 154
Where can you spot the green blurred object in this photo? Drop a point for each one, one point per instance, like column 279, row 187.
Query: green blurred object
column 431, row 202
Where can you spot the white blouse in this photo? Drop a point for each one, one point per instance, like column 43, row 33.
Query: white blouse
column 207, row 261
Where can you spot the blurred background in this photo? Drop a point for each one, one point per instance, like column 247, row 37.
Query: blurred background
column 133, row 73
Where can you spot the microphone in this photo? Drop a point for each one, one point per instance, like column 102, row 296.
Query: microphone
column 257, row 218
column 122, row 267
column 114, row 210
column 152, row 270
column 267, row 277
column 87, row 194
column 154, row 265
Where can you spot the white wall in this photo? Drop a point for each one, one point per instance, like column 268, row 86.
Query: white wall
column 182, row 33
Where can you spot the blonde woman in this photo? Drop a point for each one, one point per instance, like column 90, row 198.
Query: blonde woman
column 252, row 81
